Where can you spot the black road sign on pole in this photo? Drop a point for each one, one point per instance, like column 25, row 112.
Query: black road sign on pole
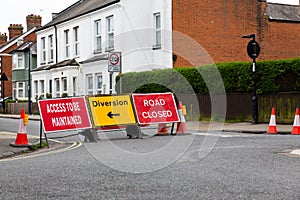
column 253, row 50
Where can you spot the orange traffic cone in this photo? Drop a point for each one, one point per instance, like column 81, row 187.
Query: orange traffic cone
column 296, row 126
column 181, row 126
column 272, row 125
column 162, row 129
column 21, row 140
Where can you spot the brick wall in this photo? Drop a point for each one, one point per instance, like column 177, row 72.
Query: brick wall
column 6, row 63
column 218, row 26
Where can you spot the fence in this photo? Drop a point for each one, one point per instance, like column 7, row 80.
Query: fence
column 239, row 106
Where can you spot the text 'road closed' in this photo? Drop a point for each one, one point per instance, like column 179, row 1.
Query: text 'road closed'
column 155, row 108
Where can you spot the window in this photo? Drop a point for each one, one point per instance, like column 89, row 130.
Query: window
column 50, row 86
column 67, row 44
column 57, row 88
column 14, row 87
column 50, row 41
column 74, row 85
column 43, row 50
column 19, row 42
column 99, row 82
column 89, row 83
column 98, row 39
column 19, row 89
column 110, row 32
column 157, row 30
column 76, row 41
column 42, row 86
column 36, row 87
column 65, row 84
column 18, row 60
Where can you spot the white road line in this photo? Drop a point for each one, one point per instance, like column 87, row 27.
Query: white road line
column 296, row 152
column 72, row 146
column 217, row 135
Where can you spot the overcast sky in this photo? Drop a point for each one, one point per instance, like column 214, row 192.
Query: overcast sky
column 15, row 11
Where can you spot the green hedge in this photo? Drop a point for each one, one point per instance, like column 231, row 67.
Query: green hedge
column 234, row 77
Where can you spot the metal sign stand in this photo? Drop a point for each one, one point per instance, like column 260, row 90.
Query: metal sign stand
column 41, row 135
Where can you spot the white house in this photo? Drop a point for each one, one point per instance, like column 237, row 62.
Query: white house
column 72, row 49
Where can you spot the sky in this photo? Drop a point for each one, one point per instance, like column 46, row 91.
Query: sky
column 15, row 11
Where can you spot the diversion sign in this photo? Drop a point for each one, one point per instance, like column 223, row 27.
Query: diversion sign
column 64, row 114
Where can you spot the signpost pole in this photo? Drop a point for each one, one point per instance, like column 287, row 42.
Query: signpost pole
column 253, row 51
column 114, row 65
column 254, row 98
column 120, row 74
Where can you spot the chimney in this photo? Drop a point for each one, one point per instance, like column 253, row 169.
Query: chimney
column 3, row 38
column 15, row 30
column 33, row 21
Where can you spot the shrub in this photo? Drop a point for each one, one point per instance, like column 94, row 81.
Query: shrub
column 272, row 77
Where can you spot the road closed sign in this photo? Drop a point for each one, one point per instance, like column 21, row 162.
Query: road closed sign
column 111, row 110
column 64, row 114
column 155, row 108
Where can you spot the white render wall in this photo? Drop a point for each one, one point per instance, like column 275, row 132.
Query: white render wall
column 133, row 31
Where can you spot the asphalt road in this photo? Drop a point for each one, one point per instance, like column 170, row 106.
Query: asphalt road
column 206, row 166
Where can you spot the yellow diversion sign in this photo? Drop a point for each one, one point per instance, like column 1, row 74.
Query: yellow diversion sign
column 111, row 110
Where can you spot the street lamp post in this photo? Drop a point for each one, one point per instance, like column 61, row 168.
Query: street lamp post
column 29, row 82
column 253, row 51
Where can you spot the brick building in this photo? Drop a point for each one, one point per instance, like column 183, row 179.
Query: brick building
column 16, row 37
column 219, row 25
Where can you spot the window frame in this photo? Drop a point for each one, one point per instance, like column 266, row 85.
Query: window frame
column 67, row 43
column 16, row 90
column 51, row 50
column 76, row 41
column 110, row 44
column 98, row 89
column 74, row 85
column 89, row 82
column 64, row 81
column 57, row 87
column 157, row 37
column 43, row 50
column 98, row 36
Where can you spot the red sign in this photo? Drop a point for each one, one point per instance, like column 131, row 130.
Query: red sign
column 155, row 108
column 64, row 114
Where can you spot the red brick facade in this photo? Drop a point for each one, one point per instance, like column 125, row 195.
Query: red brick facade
column 218, row 26
column 6, row 63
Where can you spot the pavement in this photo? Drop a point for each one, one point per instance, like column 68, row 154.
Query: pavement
column 7, row 138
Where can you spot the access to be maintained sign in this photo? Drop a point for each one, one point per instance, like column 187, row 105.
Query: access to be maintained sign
column 111, row 110
column 155, row 108
column 64, row 114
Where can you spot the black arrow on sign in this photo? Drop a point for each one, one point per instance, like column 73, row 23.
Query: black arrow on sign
column 111, row 115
